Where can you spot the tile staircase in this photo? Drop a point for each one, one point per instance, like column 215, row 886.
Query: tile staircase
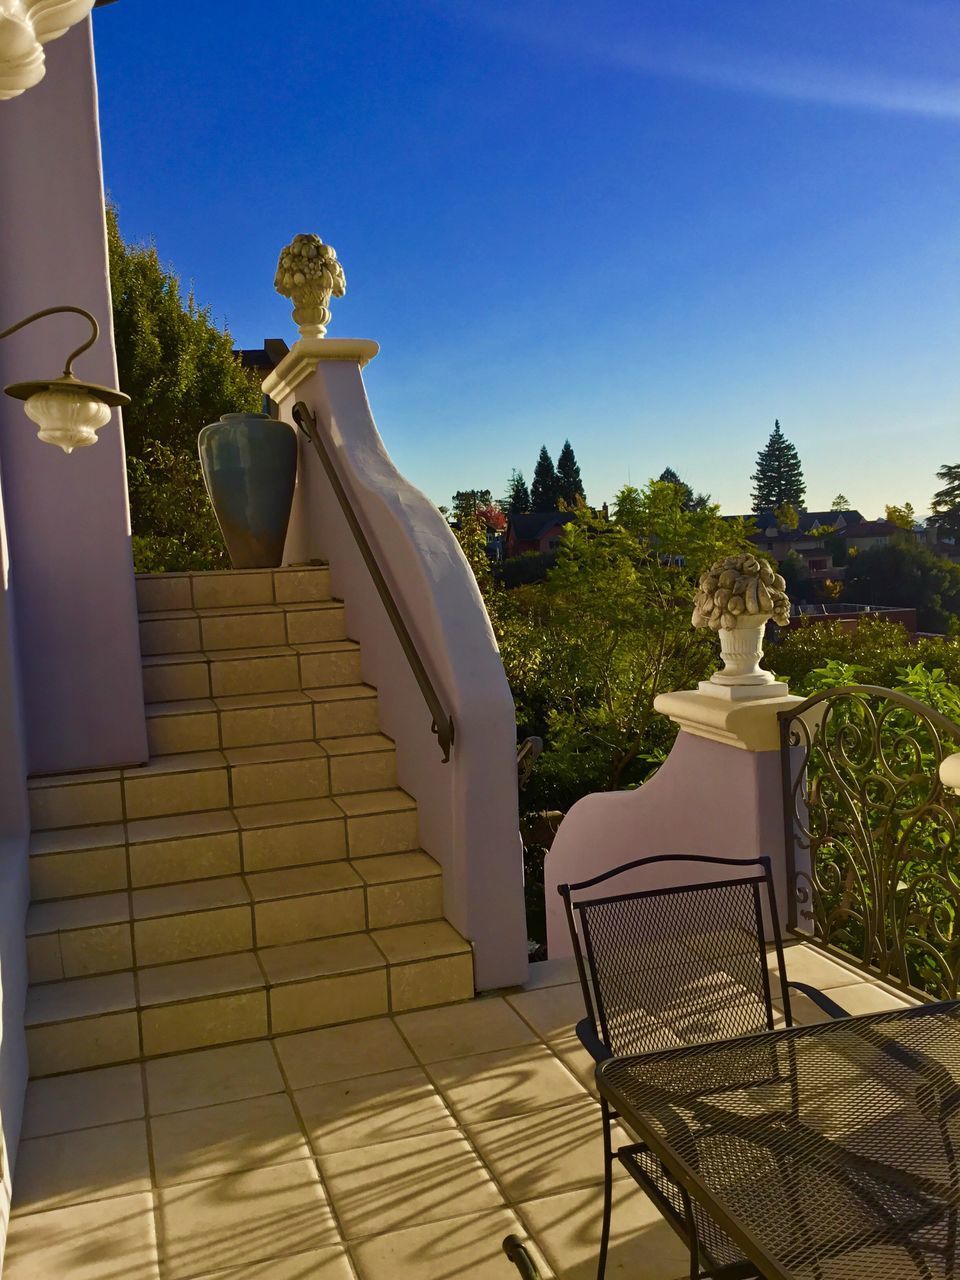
column 261, row 874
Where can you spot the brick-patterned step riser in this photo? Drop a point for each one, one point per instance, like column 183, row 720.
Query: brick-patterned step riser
column 81, row 937
column 120, row 1017
column 222, row 630
column 83, row 861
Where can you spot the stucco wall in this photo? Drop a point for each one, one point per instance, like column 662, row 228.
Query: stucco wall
column 67, row 517
column 468, row 807
column 707, row 798
column 14, row 889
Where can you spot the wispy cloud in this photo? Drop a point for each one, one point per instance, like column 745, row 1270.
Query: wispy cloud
column 736, row 70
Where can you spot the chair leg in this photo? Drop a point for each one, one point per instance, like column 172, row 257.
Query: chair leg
column 607, row 1188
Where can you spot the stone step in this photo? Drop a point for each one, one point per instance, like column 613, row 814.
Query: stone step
column 86, row 1022
column 83, row 861
column 191, row 782
column 232, row 588
column 187, row 920
column 259, row 719
column 244, row 627
column 172, row 677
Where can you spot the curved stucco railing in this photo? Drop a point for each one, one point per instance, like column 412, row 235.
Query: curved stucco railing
column 467, row 807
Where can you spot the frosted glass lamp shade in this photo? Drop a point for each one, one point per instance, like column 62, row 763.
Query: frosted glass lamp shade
column 67, row 416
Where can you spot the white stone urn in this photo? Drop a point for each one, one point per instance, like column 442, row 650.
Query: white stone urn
column 309, row 274
column 737, row 598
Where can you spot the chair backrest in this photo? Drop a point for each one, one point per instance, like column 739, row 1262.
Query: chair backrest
column 678, row 965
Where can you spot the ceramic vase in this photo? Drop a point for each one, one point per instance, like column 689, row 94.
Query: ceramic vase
column 249, row 464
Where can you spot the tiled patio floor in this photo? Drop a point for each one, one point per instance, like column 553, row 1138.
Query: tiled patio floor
column 403, row 1148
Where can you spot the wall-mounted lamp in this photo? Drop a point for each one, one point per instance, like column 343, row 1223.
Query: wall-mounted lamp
column 69, row 412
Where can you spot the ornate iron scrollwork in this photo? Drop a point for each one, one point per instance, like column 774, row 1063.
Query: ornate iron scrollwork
column 871, row 834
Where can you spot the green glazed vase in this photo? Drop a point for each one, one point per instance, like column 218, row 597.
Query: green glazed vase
column 249, row 464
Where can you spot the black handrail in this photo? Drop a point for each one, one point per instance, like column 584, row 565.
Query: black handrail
column 442, row 722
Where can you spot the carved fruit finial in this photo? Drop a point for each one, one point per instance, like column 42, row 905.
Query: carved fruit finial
column 309, row 273
column 740, row 591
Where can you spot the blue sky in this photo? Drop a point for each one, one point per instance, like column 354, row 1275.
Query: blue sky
column 650, row 227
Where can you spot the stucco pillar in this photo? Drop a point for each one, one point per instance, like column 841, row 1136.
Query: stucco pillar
column 718, row 793
column 67, row 518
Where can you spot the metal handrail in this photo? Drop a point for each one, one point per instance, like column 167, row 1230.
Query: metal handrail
column 442, row 722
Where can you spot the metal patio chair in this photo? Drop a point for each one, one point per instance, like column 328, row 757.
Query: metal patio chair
column 671, row 966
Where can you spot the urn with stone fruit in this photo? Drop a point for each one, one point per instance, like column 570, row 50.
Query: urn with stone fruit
column 737, row 598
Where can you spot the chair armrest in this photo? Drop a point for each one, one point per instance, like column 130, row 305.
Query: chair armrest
column 516, row 1251
column 591, row 1041
column 819, row 999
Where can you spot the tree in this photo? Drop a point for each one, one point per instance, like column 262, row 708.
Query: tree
column 491, row 517
column 517, row 500
column 907, row 575
column 180, row 370
column 467, row 502
column 779, row 475
column 588, row 651
column 946, row 502
column 544, row 491
column 840, row 503
column 569, row 484
column 788, row 517
column 904, row 517
column 688, row 500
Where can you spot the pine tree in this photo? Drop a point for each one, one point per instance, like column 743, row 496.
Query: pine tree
column 779, row 475
column 517, row 501
column 569, row 484
column 946, row 502
column 688, row 500
column 669, row 476
column 544, row 490
column 840, row 503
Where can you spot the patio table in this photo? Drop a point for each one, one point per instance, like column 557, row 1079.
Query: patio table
column 825, row 1152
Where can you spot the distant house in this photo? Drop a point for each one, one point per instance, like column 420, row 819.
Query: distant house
column 263, row 359
column 538, row 531
column 808, row 540
column 871, row 533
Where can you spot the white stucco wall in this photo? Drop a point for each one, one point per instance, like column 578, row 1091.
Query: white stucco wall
column 14, row 888
column 68, row 524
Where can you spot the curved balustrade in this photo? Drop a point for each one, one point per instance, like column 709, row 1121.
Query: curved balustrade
column 440, row 665
column 871, row 833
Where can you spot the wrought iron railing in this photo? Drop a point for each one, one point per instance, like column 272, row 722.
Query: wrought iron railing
column 872, row 836
column 442, row 720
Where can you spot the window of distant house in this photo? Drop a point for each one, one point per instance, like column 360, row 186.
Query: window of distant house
column 553, row 544
column 817, row 564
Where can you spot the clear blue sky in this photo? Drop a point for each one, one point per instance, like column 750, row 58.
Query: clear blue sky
column 652, row 227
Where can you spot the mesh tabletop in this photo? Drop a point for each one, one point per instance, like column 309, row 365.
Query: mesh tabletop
column 828, row 1152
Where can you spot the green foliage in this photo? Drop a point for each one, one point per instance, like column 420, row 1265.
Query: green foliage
column 181, row 373
column 688, row 500
column 796, row 575
column 587, row 651
column 788, row 517
column 876, row 652
column 779, row 475
column 569, row 484
column 544, row 491
column 467, row 502
column 904, row 517
column 907, row 575
column 517, row 500
column 946, row 502
column 840, row 503
column 168, row 494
